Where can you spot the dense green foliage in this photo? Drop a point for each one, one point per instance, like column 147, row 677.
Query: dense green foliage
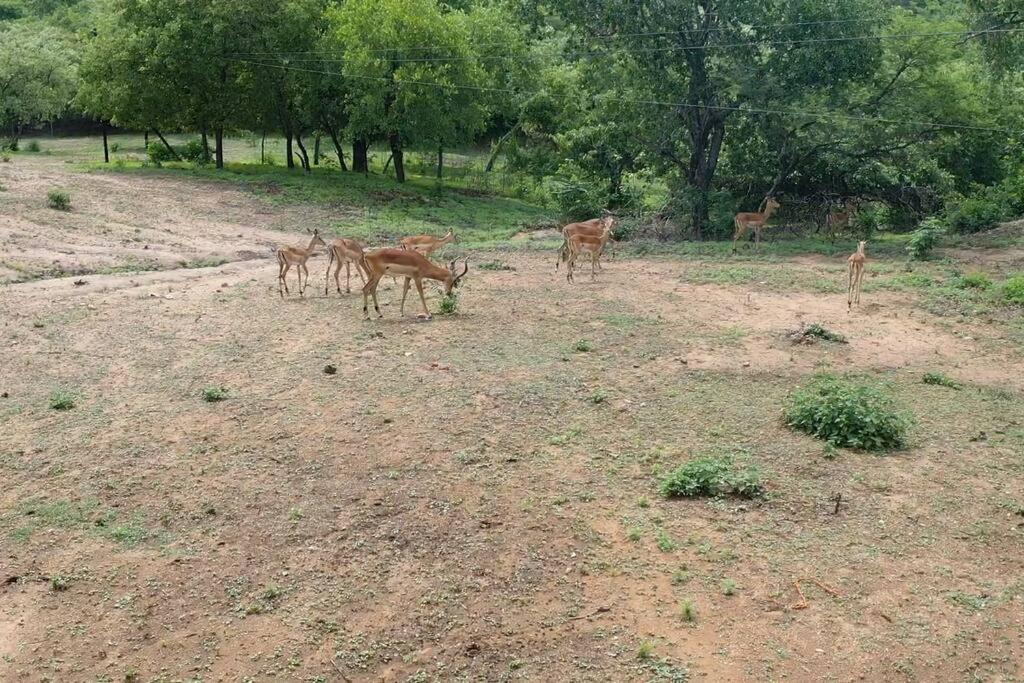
column 924, row 239
column 714, row 475
column 681, row 112
column 847, row 414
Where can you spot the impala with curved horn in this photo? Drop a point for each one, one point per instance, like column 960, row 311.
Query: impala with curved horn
column 414, row 267
column 595, row 227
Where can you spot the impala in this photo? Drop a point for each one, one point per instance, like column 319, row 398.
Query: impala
column 838, row 219
column 595, row 227
column 414, row 267
column 857, row 260
column 295, row 256
column 344, row 251
column 426, row 244
column 746, row 221
column 579, row 244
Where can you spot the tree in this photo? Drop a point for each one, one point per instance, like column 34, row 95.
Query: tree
column 38, row 77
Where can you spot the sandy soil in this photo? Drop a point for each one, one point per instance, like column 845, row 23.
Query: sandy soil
column 454, row 503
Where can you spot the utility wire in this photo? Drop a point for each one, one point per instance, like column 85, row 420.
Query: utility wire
column 678, row 105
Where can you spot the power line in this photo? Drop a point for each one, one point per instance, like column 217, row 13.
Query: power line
column 677, row 105
column 673, row 48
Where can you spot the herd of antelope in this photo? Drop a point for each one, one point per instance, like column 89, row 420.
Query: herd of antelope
column 411, row 261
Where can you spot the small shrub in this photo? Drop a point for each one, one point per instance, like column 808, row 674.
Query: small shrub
column 924, row 239
column 5, row 158
column 495, row 265
column 115, row 148
column 645, row 651
column 214, row 394
column 938, row 379
column 62, row 400
column 598, row 397
column 33, row 147
column 194, row 151
column 1012, row 290
column 665, row 542
column 975, row 214
column 59, row 583
column 716, row 475
column 688, row 611
column 58, row 200
column 449, row 304
column 974, row 281
column 583, row 346
column 158, row 153
column 728, row 587
column 808, row 334
column 847, row 415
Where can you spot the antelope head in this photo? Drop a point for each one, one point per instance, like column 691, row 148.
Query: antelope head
column 452, row 281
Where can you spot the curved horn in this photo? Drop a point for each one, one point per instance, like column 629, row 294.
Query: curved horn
column 464, row 270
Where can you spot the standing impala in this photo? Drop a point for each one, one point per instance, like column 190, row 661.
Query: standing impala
column 595, row 227
column 295, row 256
column 746, row 221
column 838, row 219
column 344, row 251
column 856, row 261
column 579, row 244
column 426, row 244
column 411, row 265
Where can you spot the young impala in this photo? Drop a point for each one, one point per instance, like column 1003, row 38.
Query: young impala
column 426, row 244
column 295, row 256
column 579, row 244
column 837, row 219
column 857, row 260
column 595, row 227
column 344, row 251
column 746, row 221
column 414, row 267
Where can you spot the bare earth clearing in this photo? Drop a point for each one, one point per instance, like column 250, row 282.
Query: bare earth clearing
column 471, row 498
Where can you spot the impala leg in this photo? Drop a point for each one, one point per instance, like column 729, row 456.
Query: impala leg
column 348, row 277
column 593, row 265
column 423, row 299
column 860, row 283
column 285, row 267
column 298, row 271
column 405, row 292
column 569, row 265
column 370, row 288
column 327, row 278
column 849, row 289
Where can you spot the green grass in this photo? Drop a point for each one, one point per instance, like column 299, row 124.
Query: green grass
column 62, row 400
column 939, row 379
column 58, row 200
column 714, row 475
column 214, row 394
column 86, row 515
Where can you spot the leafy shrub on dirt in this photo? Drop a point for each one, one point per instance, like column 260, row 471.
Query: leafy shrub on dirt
column 975, row 214
column 847, row 414
column 714, row 475
column 583, row 346
column 62, row 400
column 1012, row 290
column 33, row 147
column 214, row 394
column 194, row 151
column 449, row 304
column 158, row 153
column 809, row 334
column 58, row 200
column 938, row 379
column 924, row 239
column 974, row 281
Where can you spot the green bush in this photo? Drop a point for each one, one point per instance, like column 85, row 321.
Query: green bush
column 33, row 147
column 449, row 304
column 975, row 214
column 867, row 222
column 194, row 151
column 847, row 415
column 974, row 281
column 59, row 200
column 214, row 394
column 158, row 153
column 714, row 475
column 1012, row 290
column 62, row 400
column 924, row 239
column 940, row 380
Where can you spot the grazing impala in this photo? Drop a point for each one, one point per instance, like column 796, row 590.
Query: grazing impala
column 838, row 219
column 295, row 256
column 414, row 267
column 746, row 221
column 595, row 227
column 579, row 244
column 344, row 251
column 857, row 260
column 426, row 244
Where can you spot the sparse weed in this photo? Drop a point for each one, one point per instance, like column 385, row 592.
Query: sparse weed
column 495, row 265
column 714, row 475
column 688, row 611
column 583, row 346
column 847, row 415
column 808, row 334
column 62, row 400
column 645, row 651
column 974, row 281
column 643, row 503
column 214, row 394
column 665, row 542
column 33, row 146
column 1012, row 290
column 938, row 379
column 449, row 304
column 728, row 587
column 59, row 583
column 598, row 397
column 635, row 534
column 58, row 200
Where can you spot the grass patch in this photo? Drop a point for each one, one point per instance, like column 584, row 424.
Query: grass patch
column 495, row 265
column 449, row 304
column 583, row 346
column 688, row 611
column 847, row 414
column 214, row 394
column 62, row 400
column 714, row 475
column 938, row 379
column 974, row 281
column 814, row 332
column 59, row 200
column 1012, row 290
column 84, row 515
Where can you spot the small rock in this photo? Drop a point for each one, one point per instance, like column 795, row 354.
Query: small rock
column 79, row 283
column 330, row 369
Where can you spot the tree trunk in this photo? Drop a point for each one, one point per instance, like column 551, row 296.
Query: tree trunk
column 206, row 146
column 145, row 139
column 219, row 133
column 106, row 149
column 387, row 164
column 360, row 163
column 316, row 150
column 288, row 149
column 498, row 147
column 263, row 149
column 174, row 152
column 440, row 162
column 337, row 147
column 303, row 155
column 396, row 152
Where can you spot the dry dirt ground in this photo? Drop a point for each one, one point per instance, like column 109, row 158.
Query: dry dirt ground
column 473, row 498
